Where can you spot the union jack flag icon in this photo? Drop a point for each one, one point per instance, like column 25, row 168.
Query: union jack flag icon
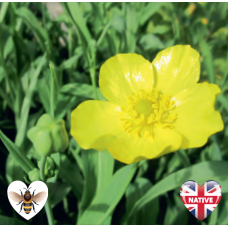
column 200, row 201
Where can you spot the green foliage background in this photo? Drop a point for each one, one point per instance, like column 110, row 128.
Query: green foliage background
column 92, row 188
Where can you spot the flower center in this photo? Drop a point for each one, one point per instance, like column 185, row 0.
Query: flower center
column 145, row 109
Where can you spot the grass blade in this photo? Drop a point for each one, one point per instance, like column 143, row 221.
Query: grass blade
column 26, row 105
column 3, row 11
column 29, row 18
column 208, row 60
column 19, row 156
column 105, row 202
column 98, row 169
column 53, row 89
column 148, row 11
column 214, row 170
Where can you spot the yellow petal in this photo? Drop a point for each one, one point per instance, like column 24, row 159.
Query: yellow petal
column 123, row 74
column 95, row 123
column 197, row 118
column 128, row 149
column 176, row 68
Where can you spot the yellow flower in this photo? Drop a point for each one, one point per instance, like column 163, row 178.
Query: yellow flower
column 152, row 108
column 204, row 21
column 191, row 8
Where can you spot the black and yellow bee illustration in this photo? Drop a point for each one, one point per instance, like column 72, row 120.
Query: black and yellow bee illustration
column 27, row 200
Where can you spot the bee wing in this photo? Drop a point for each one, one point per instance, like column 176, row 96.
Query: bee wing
column 15, row 197
column 39, row 196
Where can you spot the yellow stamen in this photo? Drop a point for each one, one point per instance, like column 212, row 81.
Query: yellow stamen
column 145, row 109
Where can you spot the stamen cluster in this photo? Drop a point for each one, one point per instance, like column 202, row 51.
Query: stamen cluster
column 145, row 109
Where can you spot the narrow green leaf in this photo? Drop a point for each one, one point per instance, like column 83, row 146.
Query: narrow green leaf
column 214, row 170
column 71, row 62
column 104, row 32
column 148, row 11
column 131, row 28
column 81, row 89
column 27, row 103
column 176, row 30
column 78, row 19
column 13, row 170
column 105, row 202
column 213, row 217
column 53, row 89
column 74, row 12
column 223, row 101
column 98, row 168
column 65, row 102
column 183, row 157
column 44, row 93
column 207, row 60
column 71, row 174
column 223, row 206
column 30, row 19
column 134, row 192
column 57, row 191
column 3, row 11
column 19, row 156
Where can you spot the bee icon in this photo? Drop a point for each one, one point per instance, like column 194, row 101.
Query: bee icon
column 27, row 200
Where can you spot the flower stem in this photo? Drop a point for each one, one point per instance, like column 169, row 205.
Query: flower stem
column 48, row 204
column 92, row 63
column 93, row 79
column 49, row 212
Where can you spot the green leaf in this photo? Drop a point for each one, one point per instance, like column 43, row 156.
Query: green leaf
column 13, row 170
column 44, row 93
column 64, row 104
column 30, row 19
column 5, row 220
column 207, row 60
column 74, row 12
column 104, row 32
column 183, row 157
column 176, row 213
column 53, row 88
column 134, row 192
column 148, row 11
column 105, row 202
column 21, row 133
column 57, row 191
column 80, row 89
column 223, row 206
column 214, row 170
column 9, row 46
column 214, row 152
column 78, row 19
column 71, row 174
column 213, row 217
column 174, row 163
column 3, row 11
column 151, row 42
column 222, row 99
column 71, row 62
column 19, row 156
column 176, row 30
column 98, row 168
column 161, row 29
column 131, row 28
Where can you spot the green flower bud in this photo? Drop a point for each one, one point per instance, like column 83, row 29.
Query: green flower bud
column 49, row 169
column 49, row 135
column 34, row 175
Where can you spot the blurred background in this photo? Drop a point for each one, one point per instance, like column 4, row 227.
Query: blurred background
column 76, row 39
